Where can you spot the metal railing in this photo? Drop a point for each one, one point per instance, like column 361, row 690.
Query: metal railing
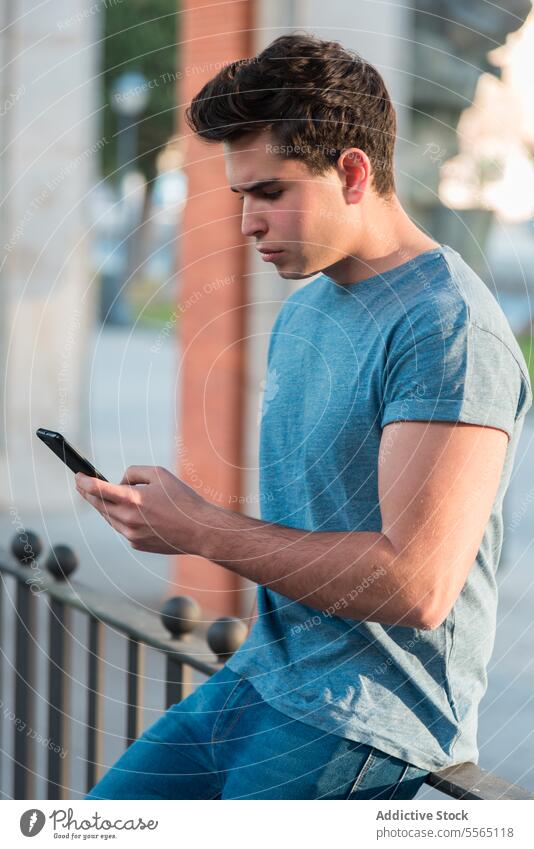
column 186, row 646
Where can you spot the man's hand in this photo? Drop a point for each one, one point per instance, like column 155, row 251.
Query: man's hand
column 152, row 508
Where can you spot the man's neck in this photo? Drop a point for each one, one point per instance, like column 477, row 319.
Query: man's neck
column 383, row 246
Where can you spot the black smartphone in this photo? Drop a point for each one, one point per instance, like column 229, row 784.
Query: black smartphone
column 64, row 450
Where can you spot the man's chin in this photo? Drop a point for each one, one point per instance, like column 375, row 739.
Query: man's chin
column 288, row 274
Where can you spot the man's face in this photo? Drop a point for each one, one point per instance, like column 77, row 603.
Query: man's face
column 305, row 218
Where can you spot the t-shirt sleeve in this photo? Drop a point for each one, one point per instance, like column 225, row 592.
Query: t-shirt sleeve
column 458, row 374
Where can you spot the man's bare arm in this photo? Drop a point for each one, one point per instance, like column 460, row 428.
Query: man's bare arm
column 323, row 569
column 437, row 484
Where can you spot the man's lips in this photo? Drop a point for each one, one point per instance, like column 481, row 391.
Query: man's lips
column 269, row 254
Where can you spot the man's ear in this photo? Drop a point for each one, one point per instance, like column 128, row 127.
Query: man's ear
column 354, row 170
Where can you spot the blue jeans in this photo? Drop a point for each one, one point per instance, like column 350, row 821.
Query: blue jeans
column 224, row 742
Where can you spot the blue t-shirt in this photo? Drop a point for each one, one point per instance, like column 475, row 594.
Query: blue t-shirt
column 423, row 341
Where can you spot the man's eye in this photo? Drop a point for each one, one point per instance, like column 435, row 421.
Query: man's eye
column 270, row 195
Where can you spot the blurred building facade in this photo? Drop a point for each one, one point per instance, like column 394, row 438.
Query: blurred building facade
column 450, row 41
column 49, row 143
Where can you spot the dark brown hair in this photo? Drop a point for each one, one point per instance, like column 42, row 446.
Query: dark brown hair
column 317, row 98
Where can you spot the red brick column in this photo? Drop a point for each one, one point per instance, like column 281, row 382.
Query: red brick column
column 212, row 299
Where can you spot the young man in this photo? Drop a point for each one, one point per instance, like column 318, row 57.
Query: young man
column 397, row 399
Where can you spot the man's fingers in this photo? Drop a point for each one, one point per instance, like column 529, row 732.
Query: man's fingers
column 102, row 490
column 102, row 506
column 125, row 514
column 110, row 514
column 139, row 474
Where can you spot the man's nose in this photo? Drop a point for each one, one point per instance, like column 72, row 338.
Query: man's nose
column 252, row 223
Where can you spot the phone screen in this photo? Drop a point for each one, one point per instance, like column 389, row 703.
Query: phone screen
column 65, row 451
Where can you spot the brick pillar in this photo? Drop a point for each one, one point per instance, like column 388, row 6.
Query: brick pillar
column 212, row 301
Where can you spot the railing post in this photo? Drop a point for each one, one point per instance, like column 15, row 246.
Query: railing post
column 179, row 681
column 61, row 563
column 180, row 616
column 225, row 635
column 24, row 696
column 58, row 700
column 133, row 712
column 26, row 547
column 94, row 701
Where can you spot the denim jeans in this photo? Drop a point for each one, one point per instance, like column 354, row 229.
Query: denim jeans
column 224, row 742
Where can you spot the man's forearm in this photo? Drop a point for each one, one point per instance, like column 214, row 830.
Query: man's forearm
column 353, row 574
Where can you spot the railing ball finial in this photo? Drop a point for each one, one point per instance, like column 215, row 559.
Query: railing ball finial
column 61, row 561
column 225, row 635
column 26, row 546
column 180, row 615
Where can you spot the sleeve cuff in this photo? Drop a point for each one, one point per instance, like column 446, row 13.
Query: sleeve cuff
column 429, row 409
